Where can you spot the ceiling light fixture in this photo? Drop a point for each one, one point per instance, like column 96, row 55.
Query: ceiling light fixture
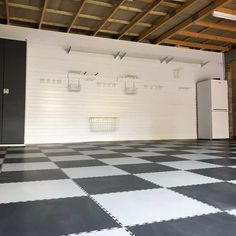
column 224, row 15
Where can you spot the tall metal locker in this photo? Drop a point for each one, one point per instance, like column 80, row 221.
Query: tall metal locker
column 13, row 92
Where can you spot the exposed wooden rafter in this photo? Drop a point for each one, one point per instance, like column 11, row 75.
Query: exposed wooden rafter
column 227, row 10
column 218, row 26
column 196, row 45
column 207, row 36
column 159, row 23
column 82, row 4
column 7, row 12
column 140, row 17
column 43, row 13
column 106, row 19
column 189, row 21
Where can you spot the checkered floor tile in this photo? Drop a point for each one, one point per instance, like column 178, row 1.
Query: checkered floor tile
column 166, row 188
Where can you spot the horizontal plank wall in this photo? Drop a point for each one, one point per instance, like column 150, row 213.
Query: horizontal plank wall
column 163, row 108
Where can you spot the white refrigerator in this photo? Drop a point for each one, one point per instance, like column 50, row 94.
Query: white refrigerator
column 212, row 109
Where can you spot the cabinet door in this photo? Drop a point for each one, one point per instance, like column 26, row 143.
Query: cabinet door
column 220, row 125
column 1, row 85
column 219, row 93
column 14, row 95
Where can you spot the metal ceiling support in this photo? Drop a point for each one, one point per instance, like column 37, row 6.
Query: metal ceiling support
column 113, row 11
column 169, row 17
column 7, row 12
column 82, row 4
column 43, row 13
column 197, row 45
column 189, row 21
column 140, row 17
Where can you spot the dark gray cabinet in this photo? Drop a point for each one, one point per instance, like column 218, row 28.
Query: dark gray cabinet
column 12, row 91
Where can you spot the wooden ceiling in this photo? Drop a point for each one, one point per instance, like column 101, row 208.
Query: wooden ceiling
column 182, row 23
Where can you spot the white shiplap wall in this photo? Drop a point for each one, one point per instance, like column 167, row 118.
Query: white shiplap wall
column 55, row 115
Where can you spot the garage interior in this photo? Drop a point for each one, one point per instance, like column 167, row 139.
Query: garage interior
column 117, row 117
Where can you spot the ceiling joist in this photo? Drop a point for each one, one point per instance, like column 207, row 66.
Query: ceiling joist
column 189, row 21
column 218, row 26
column 43, row 13
column 159, row 23
column 140, row 17
column 82, row 4
column 7, row 12
column 106, row 19
column 207, row 36
column 196, row 45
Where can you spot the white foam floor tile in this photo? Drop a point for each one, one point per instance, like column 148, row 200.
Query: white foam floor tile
column 97, row 152
column 80, row 146
column 146, row 206
column 189, row 165
column 70, row 158
column 201, row 151
column 176, row 178
column 105, row 232
column 116, row 147
column 39, row 190
column 93, row 171
column 25, row 155
column 156, row 149
column 197, row 156
column 29, row 166
column 232, row 212
column 56, row 150
column 123, row 161
column 143, row 154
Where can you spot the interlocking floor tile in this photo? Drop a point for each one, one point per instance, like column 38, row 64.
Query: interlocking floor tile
column 29, row 166
column 113, row 184
column 163, row 158
column 223, row 173
column 176, row 178
column 196, row 156
column 26, row 160
column 39, row 190
column 93, row 171
column 218, row 224
column 25, row 155
column 222, row 161
column 34, row 175
column 146, row 206
column 70, row 158
column 53, row 217
column 220, row 195
column 82, row 163
column 106, row 232
column 144, row 168
column 123, row 161
column 110, row 155
column 189, row 165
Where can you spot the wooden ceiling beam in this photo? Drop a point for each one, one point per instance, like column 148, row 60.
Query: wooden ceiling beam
column 196, row 45
column 7, row 12
column 227, row 10
column 106, row 19
column 218, row 26
column 207, row 36
column 43, row 13
column 159, row 23
column 140, row 17
column 189, row 21
column 83, row 2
